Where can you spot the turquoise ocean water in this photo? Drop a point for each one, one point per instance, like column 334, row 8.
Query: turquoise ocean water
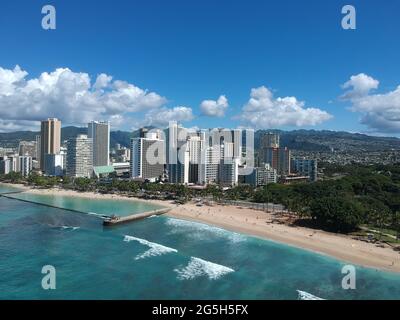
column 98, row 206
column 158, row 258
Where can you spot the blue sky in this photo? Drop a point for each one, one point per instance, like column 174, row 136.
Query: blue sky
column 186, row 52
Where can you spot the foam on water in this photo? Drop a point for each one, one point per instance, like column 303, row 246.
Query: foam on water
column 200, row 230
column 303, row 295
column 198, row 267
column 155, row 248
column 63, row 227
column 69, row 228
column 96, row 214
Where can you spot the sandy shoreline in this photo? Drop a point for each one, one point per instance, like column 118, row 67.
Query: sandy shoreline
column 87, row 195
column 259, row 224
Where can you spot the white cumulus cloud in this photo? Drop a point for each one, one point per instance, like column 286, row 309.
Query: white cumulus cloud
column 380, row 112
column 70, row 96
column 163, row 116
column 263, row 111
column 214, row 108
column 359, row 85
column 18, row 125
column 102, row 81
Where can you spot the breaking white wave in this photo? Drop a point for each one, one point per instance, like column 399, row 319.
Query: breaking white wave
column 155, row 248
column 63, row 227
column 69, row 228
column 198, row 267
column 200, row 230
column 303, row 295
column 96, row 214
column 153, row 216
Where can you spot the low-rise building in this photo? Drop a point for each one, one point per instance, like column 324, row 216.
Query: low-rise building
column 306, row 167
column 262, row 176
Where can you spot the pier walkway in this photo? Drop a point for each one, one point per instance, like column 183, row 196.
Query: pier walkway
column 107, row 220
column 133, row 217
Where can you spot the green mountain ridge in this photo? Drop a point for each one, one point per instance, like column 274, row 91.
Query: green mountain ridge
column 305, row 140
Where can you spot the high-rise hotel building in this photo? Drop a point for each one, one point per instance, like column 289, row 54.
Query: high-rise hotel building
column 80, row 157
column 278, row 159
column 50, row 139
column 99, row 132
column 203, row 156
column 274, row 155
column 147, row 157
column 270, row 140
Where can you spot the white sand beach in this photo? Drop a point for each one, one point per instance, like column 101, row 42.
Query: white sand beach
column 260, row 224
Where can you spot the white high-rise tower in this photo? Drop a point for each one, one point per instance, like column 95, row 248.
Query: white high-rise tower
column 99, row 132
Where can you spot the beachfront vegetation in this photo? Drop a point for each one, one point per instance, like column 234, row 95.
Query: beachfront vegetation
column 365, row 195
column 351, row 196
column 12, row 177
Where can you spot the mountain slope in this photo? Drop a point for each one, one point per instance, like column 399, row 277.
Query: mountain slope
column 305, row 140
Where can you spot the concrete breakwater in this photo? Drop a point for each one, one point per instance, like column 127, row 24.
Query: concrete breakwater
column 110, row 221
column 7, row 195
column 10, row 192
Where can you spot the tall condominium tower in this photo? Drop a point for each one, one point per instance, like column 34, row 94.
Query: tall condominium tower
column 279, row 159
column 27, row 148
column 50, row 139
column 175, row 136
column 189, row 167
column 147, row 157
column 220, row 137
column 176, row 152
column 79, row 157
column 25, row 165
column 270, row 140
column 205, row 156
column 38, row 148
column 99, row 132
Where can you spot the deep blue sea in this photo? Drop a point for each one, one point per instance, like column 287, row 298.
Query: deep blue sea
column 158, row 258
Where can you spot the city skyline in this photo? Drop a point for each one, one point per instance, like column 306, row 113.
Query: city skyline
column 137, row 82
column 199, row 151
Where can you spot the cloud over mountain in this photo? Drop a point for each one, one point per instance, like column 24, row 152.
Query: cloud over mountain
column 263, row 111
column 380, row 112
column 161, row 117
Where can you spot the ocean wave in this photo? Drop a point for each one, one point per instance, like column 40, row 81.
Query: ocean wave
column 155, row 248
column 102, row 216
column 63, row 227
column 303, row 295
column 199, row 230
column 198, row 267
column 69, row 228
